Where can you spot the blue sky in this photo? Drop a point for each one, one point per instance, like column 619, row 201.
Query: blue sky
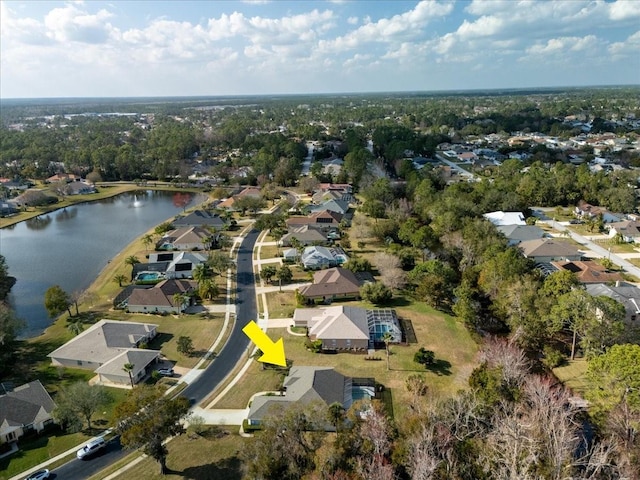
column 156, row 48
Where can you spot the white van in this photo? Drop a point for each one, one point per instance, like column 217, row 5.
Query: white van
column 90, row 448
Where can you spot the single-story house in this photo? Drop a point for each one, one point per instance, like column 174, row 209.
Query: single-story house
column 546, row 250
column 520, row 233
column 628, row 295
column 324, row 219
column 324, row 195
column 588, row 271
column 185, row 238
column 628, row 229
column 181, row 264
column 8, row 208
column 159, row 298
column 338, row 206
column 348, row 328
column 201, row 218
column 317, row 257
column 103, row 345
column 24, row 409
column 334, row 283
column 341, row 187
column 306, row 235
column 228, row 204
column 79, row 188
column 586, row 210
column 60, row 177
column 505, row 218
column 306, row 384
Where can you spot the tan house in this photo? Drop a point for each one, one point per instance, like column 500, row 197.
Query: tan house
column 24, row 409
column 106, row 347
column 333, row 284
column 185, row 238
column 348, row 328
column 306, row 235
column 628, row 230
column 545, row 250
column 323, row 218
column 160, row 298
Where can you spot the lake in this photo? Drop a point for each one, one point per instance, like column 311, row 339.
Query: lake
column 70, row 247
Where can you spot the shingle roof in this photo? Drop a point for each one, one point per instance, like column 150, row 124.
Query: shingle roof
column 339, row 322
column 332, row 281
column 162, row 293
column 104, row 340
column 547, row 247
column 138, row 357
column 200, row 217
column 26, row 404
column 588, row 271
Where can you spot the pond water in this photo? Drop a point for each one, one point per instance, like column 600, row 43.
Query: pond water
column 70, row 247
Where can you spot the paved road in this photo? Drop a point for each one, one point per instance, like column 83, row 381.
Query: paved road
column 461, row 171
column 598, row 250
column 237, row 343
column 80, row 469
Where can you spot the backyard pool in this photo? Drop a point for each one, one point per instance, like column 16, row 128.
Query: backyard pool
column 142, row 276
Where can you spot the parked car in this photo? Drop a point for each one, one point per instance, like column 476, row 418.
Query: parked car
column 39, row 475
column 166, row 372
column 90, row 448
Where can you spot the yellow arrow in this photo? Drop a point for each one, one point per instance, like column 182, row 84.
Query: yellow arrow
column 272, row 352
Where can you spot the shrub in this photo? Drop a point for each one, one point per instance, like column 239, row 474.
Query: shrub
column 376, row 293
column 552, row 357
column 424, row 357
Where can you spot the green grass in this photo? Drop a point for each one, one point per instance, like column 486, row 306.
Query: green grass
column 281, row 304
column 211, row 456
column 572, row 375
column 453, row 345
column 269, row 252
column 253, row 381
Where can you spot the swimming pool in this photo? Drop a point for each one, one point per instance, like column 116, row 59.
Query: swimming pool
column 149, row 276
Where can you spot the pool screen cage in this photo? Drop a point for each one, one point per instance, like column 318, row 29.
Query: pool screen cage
column 381, row 321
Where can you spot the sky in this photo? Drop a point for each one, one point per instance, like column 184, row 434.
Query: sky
column 131, row 48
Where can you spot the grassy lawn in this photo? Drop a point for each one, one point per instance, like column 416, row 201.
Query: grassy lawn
column 281, row 304
column 198, row 458
column 254, row 380
column 454, row 348
column 269, row 252
column 572, row 374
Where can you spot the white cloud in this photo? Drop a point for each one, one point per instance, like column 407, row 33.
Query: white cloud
column 563, row 44
column 352, row 20
column 624, row 9
column 630, row 47
column 71, row 24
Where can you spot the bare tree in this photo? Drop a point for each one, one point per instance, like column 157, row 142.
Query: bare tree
column 390, row 272
column 507, row 355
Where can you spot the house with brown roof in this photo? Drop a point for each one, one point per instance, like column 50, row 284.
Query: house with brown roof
column 160, row 298
column 228, row 204
column 588, row 271
column 306, row 235
column 324, row 218
column 185, row 238
column 333, row 284
column 106, row 347
column 24, row 409
column 585, row 210
column 545, row 250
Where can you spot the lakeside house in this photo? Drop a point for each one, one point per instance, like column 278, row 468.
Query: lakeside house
column 24, row 409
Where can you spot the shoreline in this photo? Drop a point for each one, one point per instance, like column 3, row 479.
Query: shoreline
column 120, row 188
column 102, row 279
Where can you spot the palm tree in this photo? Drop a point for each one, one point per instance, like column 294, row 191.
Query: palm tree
column 336, row 415
column 179, row 300
column 131, row 260
column 75, row 326
column 147, row 240
column 202, row 272
column 128, row 367
column 119, row 279
column 208, row 289
column 386, row 338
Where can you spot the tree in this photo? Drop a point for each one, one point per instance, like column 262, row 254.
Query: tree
column 376, row 293
column 10, row 326
column 180, row 300
column 208, row 289
column 147, row 240
column 268, row 272
column 119, row 278
column 128, row 367
column 387, row 337
column 75, row 326
column 56, row 301
column 79, row 400
column 336, row 415
column 614, row 377
column 131, row 260
column 219, row 262
column 286, row 447
column 147, row 417
column 284, row 274
column 202, row 272
column 185, row 345
column 424, row 357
